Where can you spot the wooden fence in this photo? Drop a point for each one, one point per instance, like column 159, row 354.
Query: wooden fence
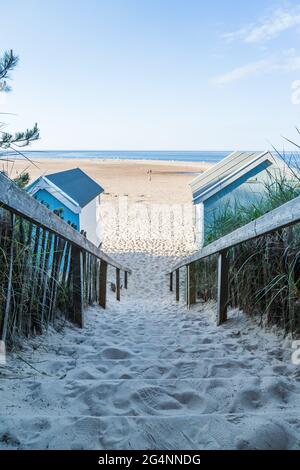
column 286, row 215
column 46, row 266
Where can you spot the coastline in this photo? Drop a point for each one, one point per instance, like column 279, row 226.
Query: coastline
column 193, row 156
column 168, row 183
column 116, row 161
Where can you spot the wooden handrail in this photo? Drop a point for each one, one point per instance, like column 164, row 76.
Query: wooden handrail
column 21, row 203
column 283, row 216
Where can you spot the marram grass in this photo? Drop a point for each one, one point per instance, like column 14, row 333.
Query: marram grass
column 264, row 273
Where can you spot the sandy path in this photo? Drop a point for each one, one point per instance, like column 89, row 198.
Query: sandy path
column 146, row 373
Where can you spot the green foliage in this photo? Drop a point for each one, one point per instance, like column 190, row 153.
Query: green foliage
column 7, row 63
column 264, row 279
column 229, row 217
column 39, row 278
column 264, row 273
column 21, row 139
column 22, row 180
column 13, row 141
column 59, row 212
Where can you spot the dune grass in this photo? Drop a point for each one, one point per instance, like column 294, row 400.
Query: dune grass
column 264, row 273
column 232, row 216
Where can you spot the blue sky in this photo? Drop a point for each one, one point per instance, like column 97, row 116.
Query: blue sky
column 154, row 74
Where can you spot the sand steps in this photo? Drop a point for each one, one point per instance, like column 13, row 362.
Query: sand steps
column 147, row 373
column 213, row 431
column 181, row 397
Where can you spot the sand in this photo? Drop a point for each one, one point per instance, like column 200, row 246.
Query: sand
column 146, row 373
column 169, row 180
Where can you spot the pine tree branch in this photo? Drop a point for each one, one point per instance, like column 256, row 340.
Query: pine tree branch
column 20, row 139
column 7, row 63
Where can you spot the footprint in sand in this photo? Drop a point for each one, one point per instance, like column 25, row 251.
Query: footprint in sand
column 269, row 436
column 115, row 354
column 154, row 399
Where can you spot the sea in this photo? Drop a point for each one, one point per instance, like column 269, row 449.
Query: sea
column 165, row 155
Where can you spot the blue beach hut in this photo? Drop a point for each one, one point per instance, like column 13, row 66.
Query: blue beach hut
column 241, row 177
column 75, row 196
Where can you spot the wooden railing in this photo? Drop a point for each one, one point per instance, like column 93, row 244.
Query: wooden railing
column 36, row 244
column 284, row 216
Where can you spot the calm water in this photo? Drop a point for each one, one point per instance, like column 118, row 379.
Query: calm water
column 188, row 156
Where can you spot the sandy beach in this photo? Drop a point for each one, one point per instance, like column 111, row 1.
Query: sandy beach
column 146, row 204
column 146, row 373
column 169, row 180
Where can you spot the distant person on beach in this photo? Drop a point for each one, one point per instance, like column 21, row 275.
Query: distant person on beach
column 149, row 173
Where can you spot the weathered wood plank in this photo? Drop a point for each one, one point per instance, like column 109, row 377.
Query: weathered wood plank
column 57, row 274
column 222, row 302
column 191, row 284
column 21, row 203
column 46, row 279
column 283, row 216
column 95, row 279
column 76, row 312
column 171, row 282
column 52, row 283
column 177, row 285
column 102, row 283
column 66, row 264
column 187, row 288
column 118, row 284
column 10, row 239
column 33, row 305
column 25, row 289
column 89, row 279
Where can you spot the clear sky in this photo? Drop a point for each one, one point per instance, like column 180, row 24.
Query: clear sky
column 154, row 74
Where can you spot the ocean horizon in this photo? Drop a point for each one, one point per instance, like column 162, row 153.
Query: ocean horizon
column 163, row 155
column 193, row 156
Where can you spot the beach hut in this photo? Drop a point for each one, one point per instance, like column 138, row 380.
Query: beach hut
column 74, row 196
column 241, row 177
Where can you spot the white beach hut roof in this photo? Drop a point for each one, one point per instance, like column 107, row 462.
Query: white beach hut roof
column 229, row 170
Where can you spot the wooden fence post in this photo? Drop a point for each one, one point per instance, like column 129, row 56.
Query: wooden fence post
column 191, row 284
column 125, row 279
column 102, row 283
column 187, row 275
column 222, row 304
column 76, row 314
column 10, row 244
column 177, row 285
column 118, row 284
column 171, row 282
